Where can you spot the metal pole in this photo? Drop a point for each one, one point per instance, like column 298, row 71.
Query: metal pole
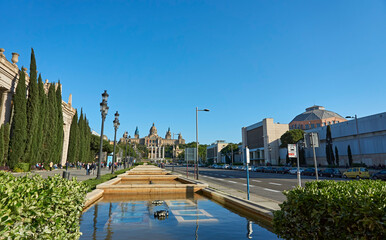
column 196, row 165
column 248, row 179
column 298, row 173
column 115, row 138
column 125, row 154
column 101, row 148
column 313, row 150
column 247, row 162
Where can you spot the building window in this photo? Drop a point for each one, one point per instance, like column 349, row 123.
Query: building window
column 312, row 125
column 306, row 126
column 318, row 125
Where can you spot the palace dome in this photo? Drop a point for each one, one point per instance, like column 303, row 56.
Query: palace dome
column 153, row 130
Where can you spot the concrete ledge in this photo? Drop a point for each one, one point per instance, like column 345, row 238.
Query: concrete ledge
column 92, row 197
column 244, row 206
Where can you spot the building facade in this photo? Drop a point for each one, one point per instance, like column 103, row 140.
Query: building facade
column 263, row 141
column 315, row 116
column 366, row 137
column 213, row 152
column 9, row 78
column 155, row 143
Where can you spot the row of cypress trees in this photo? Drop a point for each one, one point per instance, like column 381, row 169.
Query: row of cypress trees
column 36, row 131
column 80, row 138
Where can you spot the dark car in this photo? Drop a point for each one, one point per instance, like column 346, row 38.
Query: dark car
column 270, row 170
column 379, row 175
column 283, row 170
column 260, row 169
column 330, row 172
column 310, row 172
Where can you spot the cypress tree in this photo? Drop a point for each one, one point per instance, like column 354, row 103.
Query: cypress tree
column 73, row 144
column 336, row 156
column 329, row 151
column 81, row 136
column 60, row 123
column 40, row 148
column 6, row 141
column 32, row 112
column 51, row 125
column 19, row 123
column 349, row 154
column 2, row 162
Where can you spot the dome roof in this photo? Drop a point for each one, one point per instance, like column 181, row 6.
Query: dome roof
column 153, row 130
column 316, row 113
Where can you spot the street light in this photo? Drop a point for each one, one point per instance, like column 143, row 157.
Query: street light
column 269, row 153
column 104, row 109
column 196, row 164
column 359, row 142
column 116, row 125
column 124, row 161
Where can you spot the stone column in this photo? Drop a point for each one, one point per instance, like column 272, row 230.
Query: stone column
column 151, row 152
column 163, row 152
column 159, row 152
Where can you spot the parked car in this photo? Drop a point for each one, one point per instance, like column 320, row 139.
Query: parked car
column 260, row 169
column 310, row 172
column 294, row 170
column 225, row 166
column 379, row 175
column 283, row 170
column 330, row 172
column 357, row 172
column 270, row 170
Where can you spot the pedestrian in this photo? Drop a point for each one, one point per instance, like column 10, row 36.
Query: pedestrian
column 51, row 164
column 87, row 169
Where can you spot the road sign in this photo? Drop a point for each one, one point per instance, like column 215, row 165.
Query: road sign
column 247, row 158
column 311, row 139
column 292, row 150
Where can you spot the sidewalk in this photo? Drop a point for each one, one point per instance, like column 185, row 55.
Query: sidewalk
column 80, row 174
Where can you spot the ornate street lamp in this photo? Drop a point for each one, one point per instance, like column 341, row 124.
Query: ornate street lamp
column 116, row 125
column 196, row 164
column 104, row 110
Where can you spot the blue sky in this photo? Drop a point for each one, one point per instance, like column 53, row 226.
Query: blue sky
column 244, row 60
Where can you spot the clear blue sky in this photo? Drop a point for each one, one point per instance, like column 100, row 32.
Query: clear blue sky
column 244, row 60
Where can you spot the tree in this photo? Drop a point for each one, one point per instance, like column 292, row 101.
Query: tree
column 42, row 120
column 32, row 113
column 2, row 162
column 336, row 156
column 228, row 150
column 19, row 123
column 329, row 150
column 349, row 154
column 81, row 136
column 302, row 156
column 291, row 137
column 73, row 140
column 59, row 124
column 6, row 141
column 51, row 125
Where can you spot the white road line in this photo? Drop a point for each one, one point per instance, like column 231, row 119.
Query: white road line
column 242, row 178
column 271, row 190
column 220, row 179
column 232, row 182
column 249, row 185
column 278, row 184
column 256, row 180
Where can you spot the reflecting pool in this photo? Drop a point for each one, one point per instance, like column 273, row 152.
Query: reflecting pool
column 192, row 217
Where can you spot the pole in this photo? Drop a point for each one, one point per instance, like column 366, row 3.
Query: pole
column 196, row 164
column 100, row 148
column 247, row 161
column 115, row 138
column 313, row 150
column 298, row 173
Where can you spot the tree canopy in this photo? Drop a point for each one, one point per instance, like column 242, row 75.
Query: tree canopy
column 291, row 137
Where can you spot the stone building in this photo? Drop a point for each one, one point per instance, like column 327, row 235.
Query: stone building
column 155, row 143
column 213, row 152
column 9, row 77
column 314, row 117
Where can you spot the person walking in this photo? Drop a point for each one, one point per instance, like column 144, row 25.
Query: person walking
column 51, row 164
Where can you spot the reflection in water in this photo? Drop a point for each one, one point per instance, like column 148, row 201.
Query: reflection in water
column 249, row 228
column 188, row 219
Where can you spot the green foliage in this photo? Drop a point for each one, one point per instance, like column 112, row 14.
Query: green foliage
column 2, row 162
column 25, row 167
column 36, row 208
column 336, row 156
column 93, row 182
column 59, row 124
column 228, row 150
column 51, row 126
column 201, row 150
column 333, row 210
column 349, row 154
column 19, row 123
column 40, row 146
column 143, row 150
column 291, row 137
column 6, row 141
column 73, row 145
column 32, row 113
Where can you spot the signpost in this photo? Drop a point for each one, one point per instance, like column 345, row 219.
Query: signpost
column 247, row 160
column 190, row 155
column 293, row 152
column 312, row 140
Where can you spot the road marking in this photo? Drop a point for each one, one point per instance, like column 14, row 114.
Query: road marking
column 242, row 178
column 232, row 182
column 249, row 185
column 220, row 179
column 278, row 184
column 271, row 190
column 256, row 180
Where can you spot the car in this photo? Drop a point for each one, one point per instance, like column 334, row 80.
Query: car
column 283, row 170
column 225, row 166
column 260, row 169
column 294, row 170
column 356, row 172
column 330, row 172
column 270, row 170
column 379, row 175
column 310, row 172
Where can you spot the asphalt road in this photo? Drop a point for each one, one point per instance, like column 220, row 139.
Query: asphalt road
column 268, row 185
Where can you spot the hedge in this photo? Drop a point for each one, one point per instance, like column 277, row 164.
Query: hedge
column 333, row 210
column 35, row 208
column 93, row 182
column 22, row 167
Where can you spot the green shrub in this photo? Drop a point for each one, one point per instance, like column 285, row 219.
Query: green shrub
column 35, row 208
column 359, row 165
column 333, row 210
column 24, row 167
column 93, row 182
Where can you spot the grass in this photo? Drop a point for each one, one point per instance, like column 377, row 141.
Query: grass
column 93, row 182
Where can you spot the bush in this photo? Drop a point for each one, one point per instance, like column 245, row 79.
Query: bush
column 35, row 208
column 333, row 210
column 93, row 182
column 359, row 165
column 22, row 167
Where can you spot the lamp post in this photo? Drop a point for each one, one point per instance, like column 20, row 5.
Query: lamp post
column 116, row 125
column 129, row 159
column 104, row 109
column 124, row 161
column 359, row 142
column 269, row 153
column 196, row 164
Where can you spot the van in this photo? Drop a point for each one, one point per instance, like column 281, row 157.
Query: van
column 357, row 172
